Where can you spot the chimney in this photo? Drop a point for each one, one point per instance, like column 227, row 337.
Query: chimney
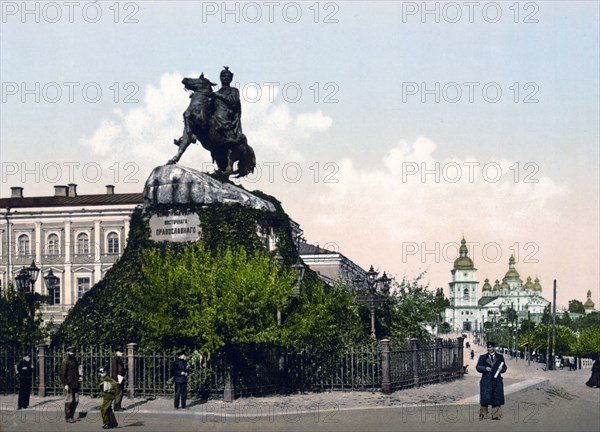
column 61, row 191
column 16, row 192
column 72, row 190
column 110, row 189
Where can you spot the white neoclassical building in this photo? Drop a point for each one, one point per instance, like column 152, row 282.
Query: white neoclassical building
column 469, row 310
column 77, row 237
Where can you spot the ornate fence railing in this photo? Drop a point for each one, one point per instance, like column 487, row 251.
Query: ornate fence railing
column 259, row 370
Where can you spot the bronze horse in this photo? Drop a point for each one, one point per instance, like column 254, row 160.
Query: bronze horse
column 199, row 125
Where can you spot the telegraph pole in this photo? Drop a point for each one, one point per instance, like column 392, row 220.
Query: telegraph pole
column 554, row 324
column 528, row 338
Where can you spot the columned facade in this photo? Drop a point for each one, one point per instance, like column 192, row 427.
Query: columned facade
column 78, row 237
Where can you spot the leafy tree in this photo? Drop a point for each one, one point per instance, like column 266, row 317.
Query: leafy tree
column 445, row 327
column 440, row 303
column 564, row 342
column 413, row 307
column 17, row 330
column 575, row 306
column 586, row 321
column 565, row 320
column 323, row 322
column 588, row 343
column 199, row 300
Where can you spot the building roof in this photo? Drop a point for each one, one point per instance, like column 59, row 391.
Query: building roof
column 485, row 300
column 463, row 262
column 486, row 285
column 309, row 249
column 67, row 201
column 512, row 274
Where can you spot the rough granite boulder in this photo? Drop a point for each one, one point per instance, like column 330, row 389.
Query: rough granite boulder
column 174, row 184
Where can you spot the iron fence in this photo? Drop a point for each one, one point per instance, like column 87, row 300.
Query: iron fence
column 257, row 371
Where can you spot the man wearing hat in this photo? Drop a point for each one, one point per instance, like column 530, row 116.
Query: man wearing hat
column 24, row 371
column 117, row 373
column 491, row 388
column 70, row 378
column 180, row 375
column 108, row 389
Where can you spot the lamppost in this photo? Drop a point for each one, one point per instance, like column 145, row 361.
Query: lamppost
column 51, row 282
column 299, row 268
column 25, row 282
column 375, row 297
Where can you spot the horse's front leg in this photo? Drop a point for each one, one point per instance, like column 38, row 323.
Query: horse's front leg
column 184, row 144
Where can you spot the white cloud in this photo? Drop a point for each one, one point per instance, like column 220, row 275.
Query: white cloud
column 145, row 133
column 416, row 197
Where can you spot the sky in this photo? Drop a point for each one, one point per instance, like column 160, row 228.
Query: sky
column 388, row 130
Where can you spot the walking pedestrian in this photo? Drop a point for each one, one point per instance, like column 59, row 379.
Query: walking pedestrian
column 594, row 380
column 117, row 373
column 24, row 371
column 180, row 375
column 70, row 377
column 491, row 387
column 108, row 388
column 472, row 354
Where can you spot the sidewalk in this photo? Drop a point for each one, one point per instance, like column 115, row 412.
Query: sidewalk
column 465, row 391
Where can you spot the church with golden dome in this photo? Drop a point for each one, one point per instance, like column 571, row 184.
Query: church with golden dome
column 468, row 310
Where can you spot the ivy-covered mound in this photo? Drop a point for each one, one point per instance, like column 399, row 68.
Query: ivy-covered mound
column 223, row 292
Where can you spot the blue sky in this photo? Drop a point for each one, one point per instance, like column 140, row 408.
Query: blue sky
column 364, row 128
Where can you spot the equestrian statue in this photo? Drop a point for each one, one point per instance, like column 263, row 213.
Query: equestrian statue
column 214, row 119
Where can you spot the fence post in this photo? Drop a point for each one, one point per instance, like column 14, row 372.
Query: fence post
column 229, row 390
column 414, row 345
column 386, row 382
column 438, row 359
column 131, row 372
column 460, row 348
column 42, row 349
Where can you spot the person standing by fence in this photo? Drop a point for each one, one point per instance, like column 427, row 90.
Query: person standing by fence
column 70, row 378
column 180, row 375
column 117, row 373
column 491, row 387
column 24, row 371
column 108, row 388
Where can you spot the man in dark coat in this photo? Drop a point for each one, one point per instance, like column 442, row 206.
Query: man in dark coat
column 70, row 378
column 117, row 373
column 24, row 371
column 594, row 380
column 180, row 375
column 491, row 387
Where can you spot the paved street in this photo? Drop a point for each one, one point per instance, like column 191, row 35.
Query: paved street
column 536, row 401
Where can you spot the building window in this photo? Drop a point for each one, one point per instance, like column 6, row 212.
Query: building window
column 52, row 246
column 466, row 294
column 113, row 243
column 83, row 286
column 55, row 295
column 83, row 244
column 23, row 245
